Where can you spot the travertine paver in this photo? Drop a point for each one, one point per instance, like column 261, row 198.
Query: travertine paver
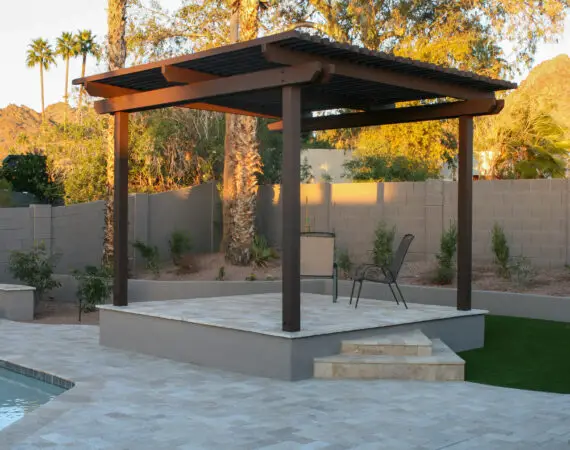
column 129, row 401
column 319, row 314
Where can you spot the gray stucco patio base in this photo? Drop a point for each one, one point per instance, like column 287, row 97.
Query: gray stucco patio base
column 243, row 333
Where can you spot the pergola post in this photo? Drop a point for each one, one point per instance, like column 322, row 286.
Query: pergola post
column 465, row 213
column 120, row 210
column 291, row 214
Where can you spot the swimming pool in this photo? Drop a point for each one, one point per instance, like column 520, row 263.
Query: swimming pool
column 20, row 394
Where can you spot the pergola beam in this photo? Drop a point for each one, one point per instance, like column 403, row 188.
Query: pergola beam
column 399, row 115
column 180, row 95
column 418, row 83
column 95, row 89
column 173, row 74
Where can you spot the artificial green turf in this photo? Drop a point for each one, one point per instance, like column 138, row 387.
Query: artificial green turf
column 522, row 353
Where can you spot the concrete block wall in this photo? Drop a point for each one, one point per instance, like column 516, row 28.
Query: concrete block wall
column 75, row 233
column 535, row 215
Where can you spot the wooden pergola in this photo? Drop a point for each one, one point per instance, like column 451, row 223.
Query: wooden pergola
column 287, row 77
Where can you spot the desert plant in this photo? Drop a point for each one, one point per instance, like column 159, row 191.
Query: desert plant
column 521, row 271
column 251, row 277
column 34, row 268
column 179, row 243
column 150, row 255
column 261, row 251
column 94, row 287
column 500, row 250
column 445, row 272
column 344, row 263
column 383, row 243
column 221, row 273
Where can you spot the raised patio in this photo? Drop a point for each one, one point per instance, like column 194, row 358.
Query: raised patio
column 242, row 333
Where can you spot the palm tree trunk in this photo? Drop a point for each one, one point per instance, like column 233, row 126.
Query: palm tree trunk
column 228, row 178
column 246, row 161
column 117, row 53
column 65, row 92
column 83, row 65
column 42, row 90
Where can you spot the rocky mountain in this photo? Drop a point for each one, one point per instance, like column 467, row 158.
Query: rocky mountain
column 21, row 120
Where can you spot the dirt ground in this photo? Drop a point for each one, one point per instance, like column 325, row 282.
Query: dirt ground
column 548, row 282
column 54, row 312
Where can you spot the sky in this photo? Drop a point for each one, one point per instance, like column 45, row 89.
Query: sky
column 24, row 20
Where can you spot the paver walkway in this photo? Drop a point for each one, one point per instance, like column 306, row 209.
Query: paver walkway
column 128, row 401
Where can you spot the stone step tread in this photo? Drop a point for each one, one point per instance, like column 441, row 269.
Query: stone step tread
column 441, row 354
column 409, row 338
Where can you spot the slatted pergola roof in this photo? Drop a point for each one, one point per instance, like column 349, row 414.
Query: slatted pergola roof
column 288, row 77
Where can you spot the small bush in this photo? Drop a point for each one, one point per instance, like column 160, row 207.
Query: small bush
column 261, row 252
column 344, row 263
column 180, row 243
column 445, row 272
column 150, row 255
column 94, row 287
column 383, row 243
column 521, row 271
column 251, row 277
column 500, row 250
column 221, row 274
column 34, row 268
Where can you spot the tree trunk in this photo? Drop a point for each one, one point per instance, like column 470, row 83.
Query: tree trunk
column 228, row 176
column 65, row 92
column 82, row 89
column 117, row 53
column 42, row 90
column 245, row 160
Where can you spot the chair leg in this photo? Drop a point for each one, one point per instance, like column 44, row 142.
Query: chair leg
column 335, row 285
column 393, row 293
column 358, row 295
column 352, row 291
column 401, row 295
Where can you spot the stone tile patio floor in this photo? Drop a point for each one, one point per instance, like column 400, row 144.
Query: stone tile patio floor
column 128, row 401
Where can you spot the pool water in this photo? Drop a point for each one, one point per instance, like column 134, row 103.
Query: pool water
column 20, row 394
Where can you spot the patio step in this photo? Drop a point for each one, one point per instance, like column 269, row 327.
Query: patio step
column 412, row 343
column 442, row 365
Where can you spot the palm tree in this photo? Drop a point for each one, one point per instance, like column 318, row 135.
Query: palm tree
column 244, row 156
column 86, row 46
column 40, row 53
column 117, row 54
column 67, row 47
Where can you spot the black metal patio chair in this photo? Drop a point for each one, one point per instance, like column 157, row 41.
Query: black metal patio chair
column 383, row 275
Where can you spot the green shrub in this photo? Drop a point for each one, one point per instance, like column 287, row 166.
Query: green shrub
column 150, row 255
column 34, row 268
column 344, row 263
column 94, row 287
column 383, row 243
column 521, row 271
column 445, row 272
column 261, row 252
column 500, row 250
column 251, row 277
column 180, row 243
column 221, row 273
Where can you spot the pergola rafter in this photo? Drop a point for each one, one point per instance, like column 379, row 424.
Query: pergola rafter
column 288, row 76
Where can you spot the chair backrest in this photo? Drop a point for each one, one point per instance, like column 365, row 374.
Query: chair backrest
column 400, row 255
column 317, row 254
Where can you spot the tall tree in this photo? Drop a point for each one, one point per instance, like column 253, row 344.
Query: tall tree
column 87, row 46
column 117, row 56
column 67, row 48
column 244, row 156
column 40, row 54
